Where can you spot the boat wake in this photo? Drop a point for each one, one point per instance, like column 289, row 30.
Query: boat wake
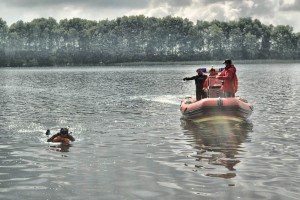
column 164, row 99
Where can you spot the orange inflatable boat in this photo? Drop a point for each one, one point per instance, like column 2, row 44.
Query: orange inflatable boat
column 212, row 107
column 215, row 105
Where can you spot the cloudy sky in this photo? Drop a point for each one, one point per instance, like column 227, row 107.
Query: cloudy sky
column 276, row 12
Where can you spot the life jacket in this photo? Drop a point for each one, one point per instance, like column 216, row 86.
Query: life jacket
column 61, row 139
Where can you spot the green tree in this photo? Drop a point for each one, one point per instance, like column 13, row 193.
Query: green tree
column 3, row 41
column 215, row 41
column 139, row 38
column 283, row 42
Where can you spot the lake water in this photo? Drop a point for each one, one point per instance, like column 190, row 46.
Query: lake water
column 131, row 142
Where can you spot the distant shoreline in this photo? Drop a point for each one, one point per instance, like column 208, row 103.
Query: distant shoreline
column 218, row 62
column 210, row 62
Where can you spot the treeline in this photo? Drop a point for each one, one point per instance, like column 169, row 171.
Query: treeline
column 46, row 42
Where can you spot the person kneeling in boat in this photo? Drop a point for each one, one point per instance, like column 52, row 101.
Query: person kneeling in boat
column 199, row 81
column 212, row 74
column 62, row 136
column 211, row 79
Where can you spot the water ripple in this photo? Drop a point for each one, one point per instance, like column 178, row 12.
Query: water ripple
column 130, row 141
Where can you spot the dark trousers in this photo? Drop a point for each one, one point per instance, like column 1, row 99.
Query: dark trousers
column 200, row 94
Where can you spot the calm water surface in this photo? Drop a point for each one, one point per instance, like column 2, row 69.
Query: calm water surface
column 132, row 144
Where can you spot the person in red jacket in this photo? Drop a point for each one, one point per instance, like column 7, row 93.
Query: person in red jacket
column 228, row 75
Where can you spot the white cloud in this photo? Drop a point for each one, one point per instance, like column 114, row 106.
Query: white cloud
column 276, row 12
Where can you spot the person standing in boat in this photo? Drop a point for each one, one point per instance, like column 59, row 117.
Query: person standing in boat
column 63, row 133
column 230, row 80
column 199, row 81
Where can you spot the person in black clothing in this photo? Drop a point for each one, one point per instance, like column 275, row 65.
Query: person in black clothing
column 64, row 133
column 199, row 81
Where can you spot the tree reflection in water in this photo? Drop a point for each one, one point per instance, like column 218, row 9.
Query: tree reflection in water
column 218, row 142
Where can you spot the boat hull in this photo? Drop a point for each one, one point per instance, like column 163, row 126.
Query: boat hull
column 232, row 108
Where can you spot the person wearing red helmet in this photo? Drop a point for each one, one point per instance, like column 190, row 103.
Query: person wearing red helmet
column 199, row 81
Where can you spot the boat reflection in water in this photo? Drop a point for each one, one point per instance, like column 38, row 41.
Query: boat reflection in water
column 217, row 143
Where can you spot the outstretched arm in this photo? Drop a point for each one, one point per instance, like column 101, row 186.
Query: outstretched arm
column 225, row 76
column 189, row 78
